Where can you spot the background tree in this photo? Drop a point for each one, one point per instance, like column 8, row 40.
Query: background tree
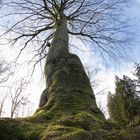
column 26, row 110
column 124, row 104
column 92, row 75
column 95, row 82
column 17, row 97
column 137, row 74
column 14, row 102
column 15, row 93
column 4, row 76
column 2, row 102
column 5, row 71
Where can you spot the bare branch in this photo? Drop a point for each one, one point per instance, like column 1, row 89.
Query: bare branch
column 2, row 102
column 100, row 23
column 5, row 71
column 16, row 96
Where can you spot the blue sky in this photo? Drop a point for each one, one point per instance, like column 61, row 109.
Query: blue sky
column 134, row 12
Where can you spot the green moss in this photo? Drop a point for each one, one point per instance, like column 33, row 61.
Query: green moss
column 125, row 134
column 9, row 129
column 60, row 132
column 19, row 129
column 130, row 133
column 80, row 126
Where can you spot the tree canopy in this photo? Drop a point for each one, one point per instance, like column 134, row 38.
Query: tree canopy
column 31, row 24
column 124, row 104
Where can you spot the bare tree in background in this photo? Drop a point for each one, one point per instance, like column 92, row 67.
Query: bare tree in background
column 99, row 23
column 94, row 81
column 4, row 71
column 91, row 73
column 15, row 92
column 17, row 97
column 4, row 76
column 27, row 110
column 17, row 100
column 95, row 84
column 102, row 108
column 2, row 102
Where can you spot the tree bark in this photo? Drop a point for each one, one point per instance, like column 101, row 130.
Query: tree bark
column 59, row 45
column 68, row 95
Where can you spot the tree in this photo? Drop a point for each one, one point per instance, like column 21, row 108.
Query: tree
column 17, row 97
column 124, row 104
column 68, row 108
column 15, row 100
column 4, row 71
column 4, row 76
column 2, row 102
column 15, row 92
column 137, row 74
column 27, row 109
column 91, row 73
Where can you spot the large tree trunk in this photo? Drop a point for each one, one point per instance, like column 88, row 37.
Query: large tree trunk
column 68, row 101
